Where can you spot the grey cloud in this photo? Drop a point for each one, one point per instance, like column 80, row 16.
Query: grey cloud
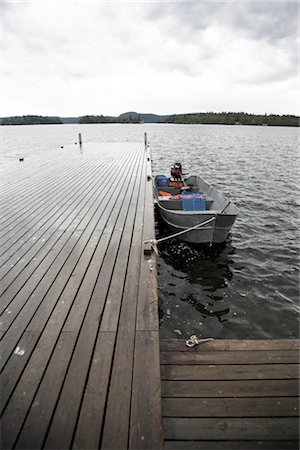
column 184, row 17
column 265, row 20
column 273, row 24
column 272, row 21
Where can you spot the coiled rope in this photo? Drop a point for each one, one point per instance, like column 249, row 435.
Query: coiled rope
column 194, row 340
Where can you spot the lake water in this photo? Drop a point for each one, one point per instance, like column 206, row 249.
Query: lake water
column 247, row 287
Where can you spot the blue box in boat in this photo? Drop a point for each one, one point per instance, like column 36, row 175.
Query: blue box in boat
column 162, row 181
column 193, row 201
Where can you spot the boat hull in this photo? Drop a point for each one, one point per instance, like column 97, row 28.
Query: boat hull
column 212, row 233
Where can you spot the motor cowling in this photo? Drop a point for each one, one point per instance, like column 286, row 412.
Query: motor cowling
column 176, row 171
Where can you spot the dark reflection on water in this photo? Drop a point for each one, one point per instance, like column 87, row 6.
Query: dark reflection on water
column 201, row 292
column 182, row 269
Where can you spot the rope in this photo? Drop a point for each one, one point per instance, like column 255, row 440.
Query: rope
column 154, row 242
column 193, row 340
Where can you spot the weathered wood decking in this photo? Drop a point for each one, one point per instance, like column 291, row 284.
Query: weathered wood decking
column 80, row 364
column 80, row 344
column 234, row 395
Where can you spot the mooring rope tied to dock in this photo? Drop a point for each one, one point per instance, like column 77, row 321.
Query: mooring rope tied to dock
column 154, row 242
column 194, row 340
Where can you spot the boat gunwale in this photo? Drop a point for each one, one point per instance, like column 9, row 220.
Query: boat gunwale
column 213, row 212
column 207, row 212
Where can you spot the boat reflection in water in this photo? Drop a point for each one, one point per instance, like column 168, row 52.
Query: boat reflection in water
column 193, row 285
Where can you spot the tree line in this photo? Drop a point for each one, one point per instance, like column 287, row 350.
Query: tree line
column 232, row 118
column 30, row 120
column 109, row 119
column 223, row 118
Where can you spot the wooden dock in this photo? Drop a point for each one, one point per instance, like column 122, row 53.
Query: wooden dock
column 228, row 394
column 81, row 365
column 79, row 320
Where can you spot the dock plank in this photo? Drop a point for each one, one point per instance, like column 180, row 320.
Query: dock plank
column 55, row 216
column 92, row 411
column 230, row 394
column 231, row 407
column 251, row 357
column 70, row 307
column 231, row 388
column 67, row 407
column 146, row 384
column 47, row 398
column 280, row 429
column 147, row 318
column 230, row 372
column 178, row 345
column 146, row 407
column 51, row 245
column 115, row 435
column 231, row 445
column 79, row 249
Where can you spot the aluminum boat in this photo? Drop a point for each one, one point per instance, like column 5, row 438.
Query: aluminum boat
column 194, row 210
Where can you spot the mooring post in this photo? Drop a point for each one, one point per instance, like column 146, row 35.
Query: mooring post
column 80, row 140
column 146, row 141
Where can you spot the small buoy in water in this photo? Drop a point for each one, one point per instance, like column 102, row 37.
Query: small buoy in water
column 75, row 143
column 21, row 159
column 62, row 146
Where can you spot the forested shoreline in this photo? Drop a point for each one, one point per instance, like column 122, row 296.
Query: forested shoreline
column 224, row 118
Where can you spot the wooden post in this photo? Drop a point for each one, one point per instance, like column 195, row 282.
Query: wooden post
column 146, row 141
column 80, row 140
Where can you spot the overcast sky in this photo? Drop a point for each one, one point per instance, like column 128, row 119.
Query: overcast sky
column 71, row 58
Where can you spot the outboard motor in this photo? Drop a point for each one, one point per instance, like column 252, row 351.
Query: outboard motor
column 176, row 171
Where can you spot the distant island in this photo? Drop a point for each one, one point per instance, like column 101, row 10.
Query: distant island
column 223, row 118
column 29, row 120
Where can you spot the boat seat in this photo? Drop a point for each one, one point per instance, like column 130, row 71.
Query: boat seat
column 171, row 190
column 165, row 202
column 168, row 203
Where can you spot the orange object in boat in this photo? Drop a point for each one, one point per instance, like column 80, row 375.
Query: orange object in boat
column 176, row 184
column 164, row 194
column 176, row 197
